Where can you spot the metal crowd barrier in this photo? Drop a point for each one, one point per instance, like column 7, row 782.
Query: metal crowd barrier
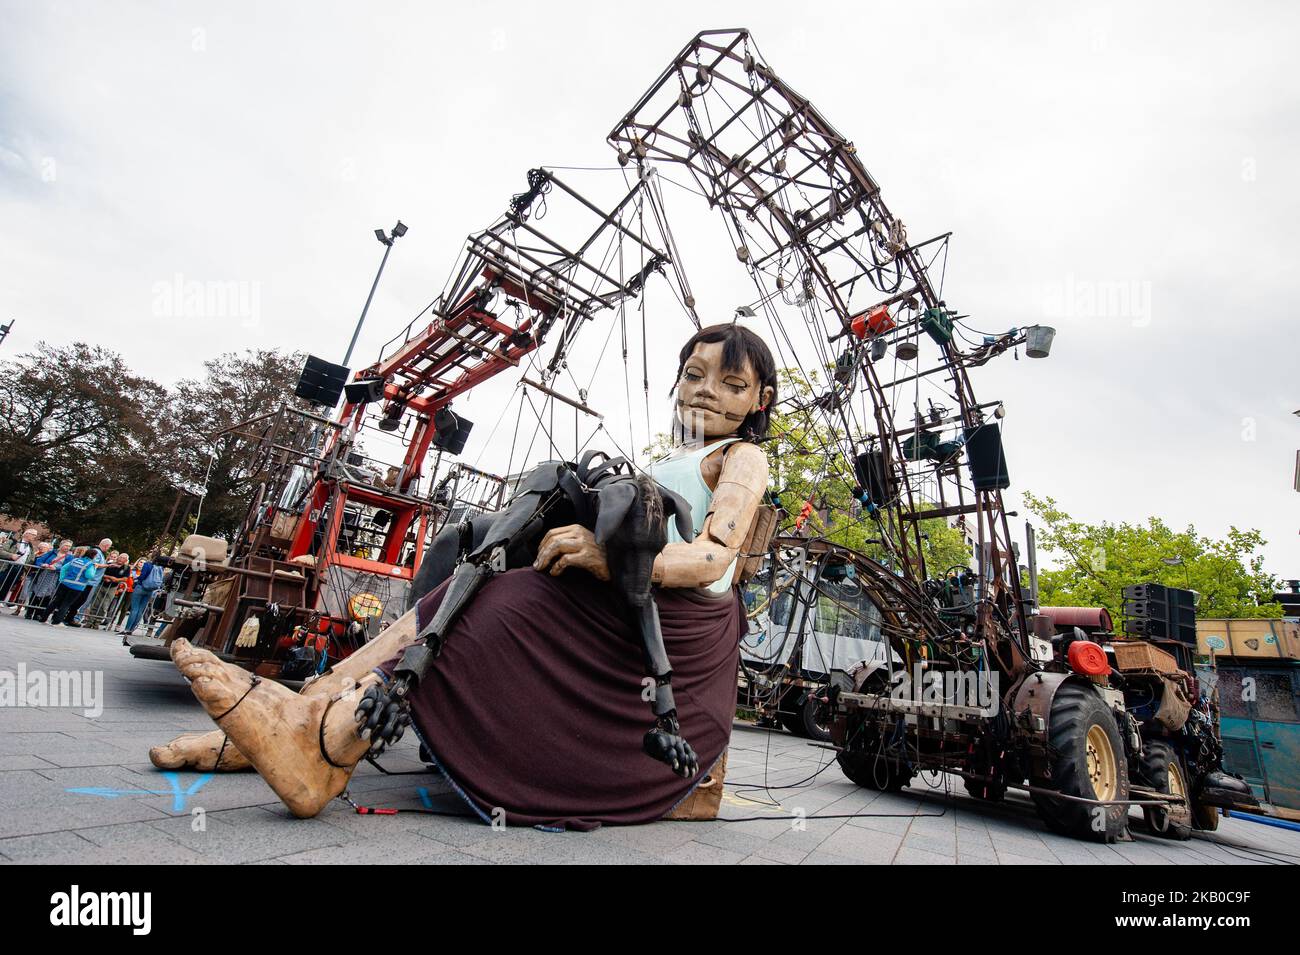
column 28, row 590
column 19, row 585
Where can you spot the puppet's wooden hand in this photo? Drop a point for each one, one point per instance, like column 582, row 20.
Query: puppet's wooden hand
column 571, row 546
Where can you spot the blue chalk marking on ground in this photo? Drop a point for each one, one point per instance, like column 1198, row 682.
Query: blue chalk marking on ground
column 178, row 794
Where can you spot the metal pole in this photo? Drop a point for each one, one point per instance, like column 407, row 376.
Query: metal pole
column 1031, row 547
column 388, row 247
column 207, row 476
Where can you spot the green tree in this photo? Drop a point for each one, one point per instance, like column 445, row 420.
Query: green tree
column 93, row 450
column 235, row 387
column 76, row 429
column 1099, row 560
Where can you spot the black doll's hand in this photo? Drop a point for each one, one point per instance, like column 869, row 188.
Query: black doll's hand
column 383, row 714
column 665, row 743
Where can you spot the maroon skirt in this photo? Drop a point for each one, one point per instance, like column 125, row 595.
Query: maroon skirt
column 534, row 707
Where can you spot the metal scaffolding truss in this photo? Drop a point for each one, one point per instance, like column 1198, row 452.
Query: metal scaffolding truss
column 512, row 284
column 809, row 224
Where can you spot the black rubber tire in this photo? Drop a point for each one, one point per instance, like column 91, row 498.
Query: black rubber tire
column 789, row 713
column 1206, row 817
column 1076, row 709
column 1156, row 758
column 871, row 770
column 991, row 792
column 808, row 718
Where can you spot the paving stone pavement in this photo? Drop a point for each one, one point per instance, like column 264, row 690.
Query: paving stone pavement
column 76, row 789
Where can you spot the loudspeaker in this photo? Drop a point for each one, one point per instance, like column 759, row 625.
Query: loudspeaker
column 1154, row 610
column 988, row 466
column 873, row 477
column 451, row 431
column 364, row 391
column 321, row 382
column 1182, row 615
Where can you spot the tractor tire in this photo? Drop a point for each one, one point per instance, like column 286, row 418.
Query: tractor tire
column 1163, row 770
column 807, row 720
column 990, row 792
column 1205, row 817
column 1087, row 761
column 874, row 771
column 789, row 713
column 813, row 722
column 869, row 767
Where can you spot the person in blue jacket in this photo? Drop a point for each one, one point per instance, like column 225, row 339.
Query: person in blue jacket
column 146, row 585
column 76, row 580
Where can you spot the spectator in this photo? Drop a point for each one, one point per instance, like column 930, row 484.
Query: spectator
column 146, row 585
column 116, row 572
column 76, row 579
column 124, row 605
column 43, row 554
column 47, row 581
column 101, row 556
column 17, row 556
column 119, row 568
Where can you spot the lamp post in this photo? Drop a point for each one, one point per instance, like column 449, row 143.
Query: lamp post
column 1179, row 562
column 399, row 230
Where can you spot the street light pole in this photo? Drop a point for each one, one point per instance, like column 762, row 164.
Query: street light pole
column 399, row 230
column 1179, row 562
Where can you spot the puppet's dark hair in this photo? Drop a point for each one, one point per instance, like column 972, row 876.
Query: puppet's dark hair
column 738, row 345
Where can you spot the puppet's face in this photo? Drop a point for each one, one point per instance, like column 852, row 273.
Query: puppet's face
column 713, row 401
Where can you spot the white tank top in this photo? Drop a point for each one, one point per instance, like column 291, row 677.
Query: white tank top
column 682, row 474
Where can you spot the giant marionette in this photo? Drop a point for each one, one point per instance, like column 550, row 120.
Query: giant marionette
column 578, row 665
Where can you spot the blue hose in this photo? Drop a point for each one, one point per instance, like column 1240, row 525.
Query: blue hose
column 1264, row 820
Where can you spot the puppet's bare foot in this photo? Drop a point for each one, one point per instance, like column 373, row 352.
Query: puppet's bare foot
column 201, row 752
column 213, row 752
column 279, row 731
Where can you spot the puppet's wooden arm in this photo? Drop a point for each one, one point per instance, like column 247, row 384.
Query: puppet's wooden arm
column 739, row 491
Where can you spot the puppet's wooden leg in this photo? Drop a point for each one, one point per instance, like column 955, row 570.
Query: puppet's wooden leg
column 214, row 752
column 304, row 746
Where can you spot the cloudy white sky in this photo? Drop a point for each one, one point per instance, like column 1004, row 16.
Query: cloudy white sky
column 1147, row 150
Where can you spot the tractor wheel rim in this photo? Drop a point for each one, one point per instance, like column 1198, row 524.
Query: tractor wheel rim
column 1103, row 771
column 1176, row 785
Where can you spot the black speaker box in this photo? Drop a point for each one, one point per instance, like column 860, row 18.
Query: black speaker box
column 321, row 381
column 364, row 391
column 1154, row 610
column 873, row 477
column 451, row 431
column 988, row 466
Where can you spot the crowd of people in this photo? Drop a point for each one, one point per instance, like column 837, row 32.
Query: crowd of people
column 61, row 584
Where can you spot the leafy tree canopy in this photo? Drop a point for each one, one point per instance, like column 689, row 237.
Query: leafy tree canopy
column 93, row 450
column 1099, row 560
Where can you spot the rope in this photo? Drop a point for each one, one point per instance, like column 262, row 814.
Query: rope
column 251, row 686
